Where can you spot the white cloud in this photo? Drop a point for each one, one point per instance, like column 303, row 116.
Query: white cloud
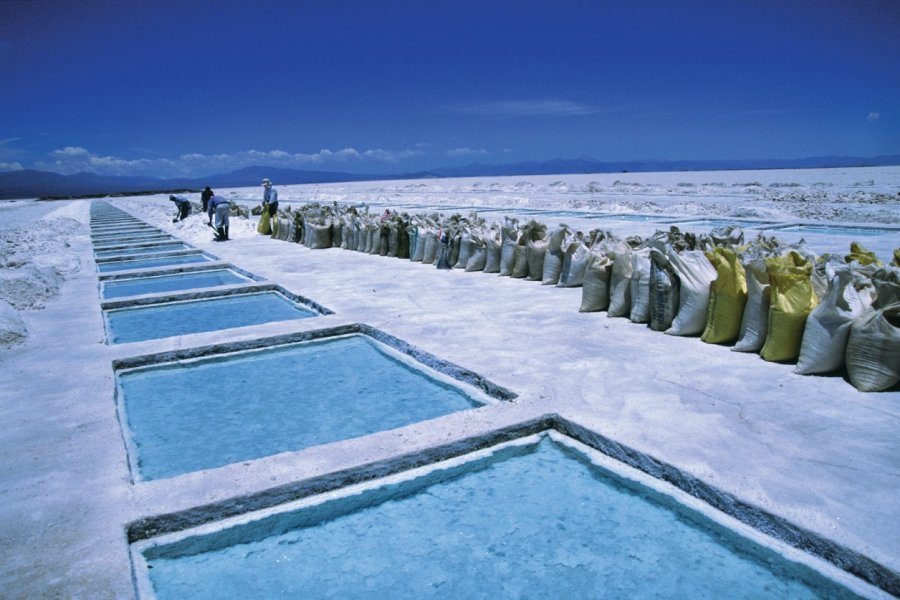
column 466, row 151
column 526, row 108
column 6, row 167
column 75, row 159
column 873, row 116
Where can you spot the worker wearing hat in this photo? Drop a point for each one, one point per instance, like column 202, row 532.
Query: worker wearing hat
column 270, row 197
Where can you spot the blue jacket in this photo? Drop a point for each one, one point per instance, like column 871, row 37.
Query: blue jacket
column 214, row 202
column 270, row 196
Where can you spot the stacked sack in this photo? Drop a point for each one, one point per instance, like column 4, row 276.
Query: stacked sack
column 826, row 312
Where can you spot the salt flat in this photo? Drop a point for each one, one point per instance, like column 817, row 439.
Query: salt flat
column 812, row 450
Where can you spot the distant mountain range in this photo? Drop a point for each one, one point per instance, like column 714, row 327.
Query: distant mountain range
column 31, row 184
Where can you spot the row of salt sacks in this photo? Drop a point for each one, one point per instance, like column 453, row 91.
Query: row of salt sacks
column 418, row 230
column 595, row 290
column 827, row 328
column 664, row 286
column 791, row 298
column 535, row 253
column 553, row 258
column 486, row 254
column 273, row 227
column 284, row 227
column 575, row 260
column 493, row 241
column 349, row 230
column 412, row 233
column 337, row 231
column 695, row 275
column 509, row 239
column 755, row 318
column 728, row 291
column 397, row 238
column 430, row 244
column 639, row 286
column 622, row 255
column 319, row 234
column 531, row 232
column 873, row 348
column 520, row 256
column 727, row 297
column 466, row 244
column 652, row 285
column 467, row 240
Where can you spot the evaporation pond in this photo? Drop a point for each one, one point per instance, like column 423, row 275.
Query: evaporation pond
column 145, row 263
column 838, row 230
column 629, row 217
column 154, row 321
column 184, row 417
column 533, row 521
column 170, row 283
column 711, row 223
column 141, row 250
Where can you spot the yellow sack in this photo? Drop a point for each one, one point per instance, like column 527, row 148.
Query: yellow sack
column 861, row 255
column 728, row 295
column 897, row 257
column 276, row 222
column 264, row 226
column 792, row 299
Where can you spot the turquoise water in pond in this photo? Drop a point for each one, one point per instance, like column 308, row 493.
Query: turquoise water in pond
column 141, row 250
column 209, row 314
column 144, row 263
column 634, row 217
column 126, row 231
column 533, row 522
column 713, row 223
column 112, row 231
column 206, row 414
column 128, row 238
column 131, row 241
column 838, row 230
column 170, row 283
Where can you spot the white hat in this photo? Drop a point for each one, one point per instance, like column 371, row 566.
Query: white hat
column 266, row 182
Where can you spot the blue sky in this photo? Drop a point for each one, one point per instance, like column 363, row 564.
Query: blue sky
column 169, row 88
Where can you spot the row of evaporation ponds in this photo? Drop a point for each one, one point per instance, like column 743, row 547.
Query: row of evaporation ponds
column 535, row 510
column 156, row 286
column 680, row 222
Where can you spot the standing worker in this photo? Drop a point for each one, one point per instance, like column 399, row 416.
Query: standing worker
column 270, row 208
column 183, row 205
column 219, row 207
column 205, row 195
column 270, row 198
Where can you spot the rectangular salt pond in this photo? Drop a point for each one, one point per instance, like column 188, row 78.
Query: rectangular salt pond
column 108, row 239
column 120, row 288
column 541, row 517
column 629, row 217
column 141, row 250
column 144, row 263
column 847, row 230
column 209, row 412
column 139, row 228
column 713, row 223
column 156, row 321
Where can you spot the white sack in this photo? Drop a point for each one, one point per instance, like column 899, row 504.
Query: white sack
column 828, row 326
column 873, row 350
